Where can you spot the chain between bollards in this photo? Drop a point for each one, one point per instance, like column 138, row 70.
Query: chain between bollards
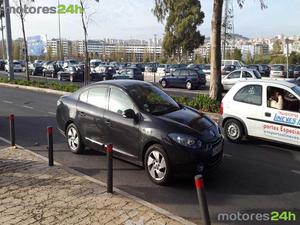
column 109, row 153
column 202, row 199
column 50, row 145
column 12, row 130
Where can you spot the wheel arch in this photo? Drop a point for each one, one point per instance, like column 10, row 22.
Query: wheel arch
column 239, row 120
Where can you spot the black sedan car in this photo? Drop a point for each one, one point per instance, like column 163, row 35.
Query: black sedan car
column 145, row 126
column 35, row 69
column 71, row 73
column 51, row 70
column 129, row 73
column 184, row 77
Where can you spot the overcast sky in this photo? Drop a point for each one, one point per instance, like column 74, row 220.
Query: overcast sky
column 125, row 19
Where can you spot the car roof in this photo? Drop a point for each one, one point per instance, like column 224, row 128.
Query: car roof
column 278, row 82
column 122, row 83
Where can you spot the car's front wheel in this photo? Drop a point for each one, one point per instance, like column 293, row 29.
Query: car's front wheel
column 157, row 165
column 75, row 143
column 234, row 130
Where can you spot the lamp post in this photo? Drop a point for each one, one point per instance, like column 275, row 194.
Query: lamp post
column 59, row 34
column 287, row 57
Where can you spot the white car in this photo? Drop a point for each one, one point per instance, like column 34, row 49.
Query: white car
column 16, row 66
column 163, row 69
column 239, row 75
column 263, row 109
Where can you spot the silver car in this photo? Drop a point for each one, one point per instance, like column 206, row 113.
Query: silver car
column 278, row 71
column 239, row 75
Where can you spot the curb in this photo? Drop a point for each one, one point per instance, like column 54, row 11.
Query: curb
column 91, row 179
column 37, row 89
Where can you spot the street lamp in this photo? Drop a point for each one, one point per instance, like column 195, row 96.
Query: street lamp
column 287, row 57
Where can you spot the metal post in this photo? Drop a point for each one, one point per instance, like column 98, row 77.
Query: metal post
column 12, row 130
column 202, row 199
column 2, row 34
column 109, row 153
column 61, row 51
column 287, row 58
column 50, row 145
column 8, row 40
column 155, row 56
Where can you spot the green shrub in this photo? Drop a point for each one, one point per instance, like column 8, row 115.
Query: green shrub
column 200, row 102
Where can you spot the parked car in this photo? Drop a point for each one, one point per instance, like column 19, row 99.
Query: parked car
column 151, row 67
column 239, row 75
column 129, row 73
column 291, row 71
column 297, row 72
column 17, row 67
column 51, row 70
column 163, row 69
column 257, row 67
column 278, row 71
column 146, row 126
column 206, row 69
column 70, row 62
column 237, row 63
column 267, row 109
column 188, row 78
column 139, row 66
column 266, row 69
column 2, row 64
column 71, row 73
column 103, row 72
column 228, row 69
column 35, row 69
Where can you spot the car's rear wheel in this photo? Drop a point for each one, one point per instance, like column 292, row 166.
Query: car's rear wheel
column 75, row 143
column 234, row 130
column 164, row 83
column 157, row 165
column 189, row 85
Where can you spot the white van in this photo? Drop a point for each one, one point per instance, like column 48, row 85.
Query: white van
column 263, row 109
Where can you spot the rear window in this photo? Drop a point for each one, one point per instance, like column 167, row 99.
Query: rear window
column 277, row 67
column 250, row 94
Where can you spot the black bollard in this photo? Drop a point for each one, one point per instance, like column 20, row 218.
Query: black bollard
column 109, row 153
column 50, row 145
column 202, row 199
column 12, row 130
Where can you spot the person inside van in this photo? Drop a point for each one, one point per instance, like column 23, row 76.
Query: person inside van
column 276, row 101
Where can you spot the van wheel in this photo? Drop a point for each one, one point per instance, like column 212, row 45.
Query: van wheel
column 189, row 85
column 157, row 165
column 75, row 143
column 234, row 130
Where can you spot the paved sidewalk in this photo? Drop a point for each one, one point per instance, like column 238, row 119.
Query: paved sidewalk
column 33, row 193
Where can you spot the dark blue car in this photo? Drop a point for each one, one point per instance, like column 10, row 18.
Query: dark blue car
column 184, row 77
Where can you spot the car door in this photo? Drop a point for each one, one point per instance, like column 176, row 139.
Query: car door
column 182, row 78
column 247, row 105
column 281, row 122
column 231, row 79
column 122, row 132
column 172, row 79
column 90, row 111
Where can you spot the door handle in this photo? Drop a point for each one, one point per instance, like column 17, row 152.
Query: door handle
column 267, row 114
column 107, row 122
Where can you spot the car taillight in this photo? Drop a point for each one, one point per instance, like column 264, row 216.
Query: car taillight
column 221, row 108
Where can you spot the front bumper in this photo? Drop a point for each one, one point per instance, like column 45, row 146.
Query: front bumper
column 196, row 160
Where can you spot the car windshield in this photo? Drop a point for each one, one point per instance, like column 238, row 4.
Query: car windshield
column 297, row 68
column 152, row 100
column 257, row 74
column 17, row 63
column 297, row 90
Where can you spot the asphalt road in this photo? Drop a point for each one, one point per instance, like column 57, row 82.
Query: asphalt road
column 255, row 177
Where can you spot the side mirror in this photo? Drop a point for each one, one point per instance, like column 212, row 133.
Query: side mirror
column 129, row 113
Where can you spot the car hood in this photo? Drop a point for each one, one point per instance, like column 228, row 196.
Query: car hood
column 206, row 129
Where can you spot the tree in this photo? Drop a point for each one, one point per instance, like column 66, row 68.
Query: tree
column 277, row 47
column 216, row 25
column 85, row 19
column 22, row 18
column 294, row 58
column 182, row 18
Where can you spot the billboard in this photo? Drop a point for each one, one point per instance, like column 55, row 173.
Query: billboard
column 37, row 45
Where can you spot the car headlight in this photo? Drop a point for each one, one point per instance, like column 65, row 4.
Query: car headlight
column 186, row 140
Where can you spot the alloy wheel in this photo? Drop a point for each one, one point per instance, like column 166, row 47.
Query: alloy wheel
column 156, row 165
column 73, row 139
